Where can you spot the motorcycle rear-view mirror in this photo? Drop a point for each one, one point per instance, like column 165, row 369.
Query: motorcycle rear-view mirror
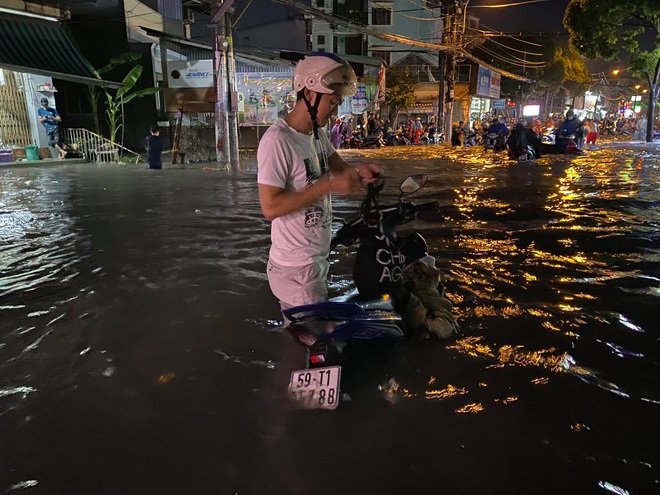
column 413, row 183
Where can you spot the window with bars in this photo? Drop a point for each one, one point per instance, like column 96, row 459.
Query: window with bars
column 463, row 73
column 381, row 15
column 385, row 56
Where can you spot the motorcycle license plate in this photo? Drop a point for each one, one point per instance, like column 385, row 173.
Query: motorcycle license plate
column 316, row 388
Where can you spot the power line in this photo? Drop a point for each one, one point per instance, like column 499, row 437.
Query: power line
column 503, row 5
column 515, row 49
column 515, row 60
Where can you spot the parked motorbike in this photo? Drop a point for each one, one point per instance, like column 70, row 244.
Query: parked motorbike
column 390, row 138
column 358, row 140
column 330, row 329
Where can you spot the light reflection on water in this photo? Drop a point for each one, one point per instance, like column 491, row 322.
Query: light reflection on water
column 113, row 277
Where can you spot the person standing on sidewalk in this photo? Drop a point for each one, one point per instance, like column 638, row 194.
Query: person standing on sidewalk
column 51, row 119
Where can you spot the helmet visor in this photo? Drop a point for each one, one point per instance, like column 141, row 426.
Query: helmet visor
column 341, row 81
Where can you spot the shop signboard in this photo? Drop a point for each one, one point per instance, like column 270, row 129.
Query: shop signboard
column 483, row 83
column 190, row 74
column 495, row 81
column 489, row 83
column 263, row 97
column 359, row 101
column 190, row 86
column 499, row 104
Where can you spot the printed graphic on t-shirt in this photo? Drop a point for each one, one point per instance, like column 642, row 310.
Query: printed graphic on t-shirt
column 315, row 215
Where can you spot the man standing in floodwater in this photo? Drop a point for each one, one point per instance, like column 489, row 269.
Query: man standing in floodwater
column 154, row 145
column 298, row 169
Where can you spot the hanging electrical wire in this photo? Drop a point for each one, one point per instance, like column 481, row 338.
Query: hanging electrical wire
column 503, row 5
column 515, row 61
column 516, row 49
column 494, row 33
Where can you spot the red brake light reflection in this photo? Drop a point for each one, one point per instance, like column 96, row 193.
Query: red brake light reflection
column 317, row 358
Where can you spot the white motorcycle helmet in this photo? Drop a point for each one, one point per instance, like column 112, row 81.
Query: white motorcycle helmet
column 325, row 73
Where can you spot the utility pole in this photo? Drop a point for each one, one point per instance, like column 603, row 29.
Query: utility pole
column 522, row 87
column 226, row 98
column 449, row 36
column 231, row 89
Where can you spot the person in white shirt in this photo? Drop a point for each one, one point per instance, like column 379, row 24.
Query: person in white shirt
column 298, row 169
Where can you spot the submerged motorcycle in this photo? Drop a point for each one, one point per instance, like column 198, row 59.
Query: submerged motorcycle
column 523, row 154
column 567, row 147
column 331, row 328
column 494, row 141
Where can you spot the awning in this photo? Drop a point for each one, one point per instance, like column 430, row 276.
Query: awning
column 177, row 40
column 44, row 47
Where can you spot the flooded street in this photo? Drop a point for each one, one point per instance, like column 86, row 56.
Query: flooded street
column 141, row 350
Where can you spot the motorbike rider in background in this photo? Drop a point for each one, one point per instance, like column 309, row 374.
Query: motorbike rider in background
column 501, row 130
column 298, row 169
column 431, row 129
column 522, row 136
column 567, row 129
column 498, row 126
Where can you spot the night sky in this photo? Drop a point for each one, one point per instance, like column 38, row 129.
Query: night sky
column 533, row 17
column 546, row 15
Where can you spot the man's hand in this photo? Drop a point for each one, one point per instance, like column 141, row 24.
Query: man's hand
column 352, row 179
column 369, row 173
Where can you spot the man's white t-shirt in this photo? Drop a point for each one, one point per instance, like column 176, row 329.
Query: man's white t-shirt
column 294, row 161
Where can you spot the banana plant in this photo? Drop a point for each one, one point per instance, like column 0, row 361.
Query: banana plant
column 94, row 92
column 115, row 102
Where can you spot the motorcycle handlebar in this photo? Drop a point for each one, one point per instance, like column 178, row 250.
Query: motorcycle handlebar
column 431, row 205
column 407, row 212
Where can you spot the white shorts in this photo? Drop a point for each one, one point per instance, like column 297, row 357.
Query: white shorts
column 298, row 285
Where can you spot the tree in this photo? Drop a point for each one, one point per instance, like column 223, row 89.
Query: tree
column 115, row 103
column 565, row 71
column 94, row 92
column 400, row 92
column 608, row 28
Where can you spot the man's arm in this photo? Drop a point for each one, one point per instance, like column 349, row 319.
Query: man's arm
column 276, row 201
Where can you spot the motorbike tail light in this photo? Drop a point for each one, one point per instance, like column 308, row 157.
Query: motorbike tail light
column 317, row 358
